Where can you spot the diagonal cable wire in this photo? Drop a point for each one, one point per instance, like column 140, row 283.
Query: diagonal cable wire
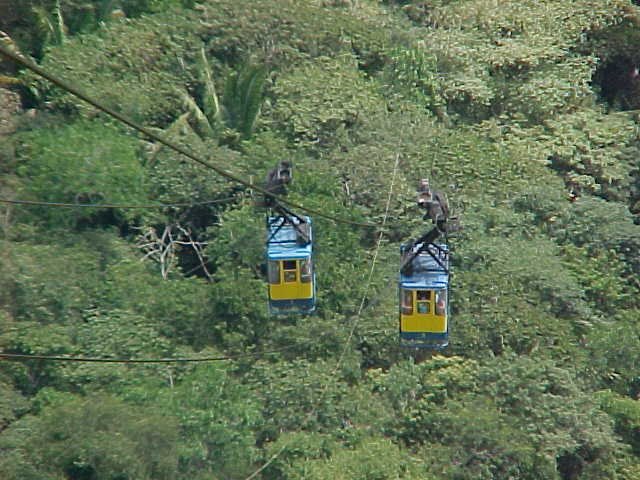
column 20, row 60
column 353, row 327
column 109, row 205
column 373, row 265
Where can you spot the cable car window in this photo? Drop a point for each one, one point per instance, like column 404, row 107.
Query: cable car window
column 423, row 295
column 423, row 301
column 290, row 267
column 305, row 271
column 273, row 272
column 407, row 302
column 441, row 302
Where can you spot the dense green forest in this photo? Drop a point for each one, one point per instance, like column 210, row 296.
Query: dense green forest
column 525, row 112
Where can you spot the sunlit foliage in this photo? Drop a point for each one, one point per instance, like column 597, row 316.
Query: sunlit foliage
column 524, row 113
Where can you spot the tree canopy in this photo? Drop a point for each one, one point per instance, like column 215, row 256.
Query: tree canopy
column 525, row 113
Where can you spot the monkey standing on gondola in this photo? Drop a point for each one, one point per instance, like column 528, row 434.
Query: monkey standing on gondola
column 434, row 202
column 276, row 182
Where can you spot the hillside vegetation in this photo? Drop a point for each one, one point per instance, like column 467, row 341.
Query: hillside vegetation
column 524, row 112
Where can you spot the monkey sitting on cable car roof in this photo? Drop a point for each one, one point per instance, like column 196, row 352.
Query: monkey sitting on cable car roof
column 434, row 202
column 276, row 182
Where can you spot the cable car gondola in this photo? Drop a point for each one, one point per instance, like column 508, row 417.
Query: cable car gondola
column 290, row 272
column 423, row 286
column 424, row 291
column 290, row 265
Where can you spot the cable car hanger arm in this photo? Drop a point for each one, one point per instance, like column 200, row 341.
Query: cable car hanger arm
column 288, row 215
column 420, row 245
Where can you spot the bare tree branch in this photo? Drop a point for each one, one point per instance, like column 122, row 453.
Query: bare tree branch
column 163, row 249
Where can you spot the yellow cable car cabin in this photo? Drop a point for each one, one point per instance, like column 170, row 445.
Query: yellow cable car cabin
column 292, row 286
column 424, row 306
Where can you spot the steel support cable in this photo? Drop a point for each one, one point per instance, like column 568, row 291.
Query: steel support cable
column 15, row 57
column 353, row 327
column 83, row 359
column 108, row 205
column 65, row 358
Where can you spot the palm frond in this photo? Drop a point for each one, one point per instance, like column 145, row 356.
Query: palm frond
column 210, row 102
column 58, row 26
column 243, row 98
column 252, row 87
column 50, row 25
column 201, row 123
column 230, row 100
column 43, row 23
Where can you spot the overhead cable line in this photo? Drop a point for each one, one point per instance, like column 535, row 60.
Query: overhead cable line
column 15, row 57
column 108, row 205
column 86, row 359
column 353, row 327
column 65, row 358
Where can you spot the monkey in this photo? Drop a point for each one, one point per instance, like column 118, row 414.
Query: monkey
column 434, row 202
column 276, row 182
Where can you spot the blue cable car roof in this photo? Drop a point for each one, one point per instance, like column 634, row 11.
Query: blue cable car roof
column 426, row 273
column 282, row 240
